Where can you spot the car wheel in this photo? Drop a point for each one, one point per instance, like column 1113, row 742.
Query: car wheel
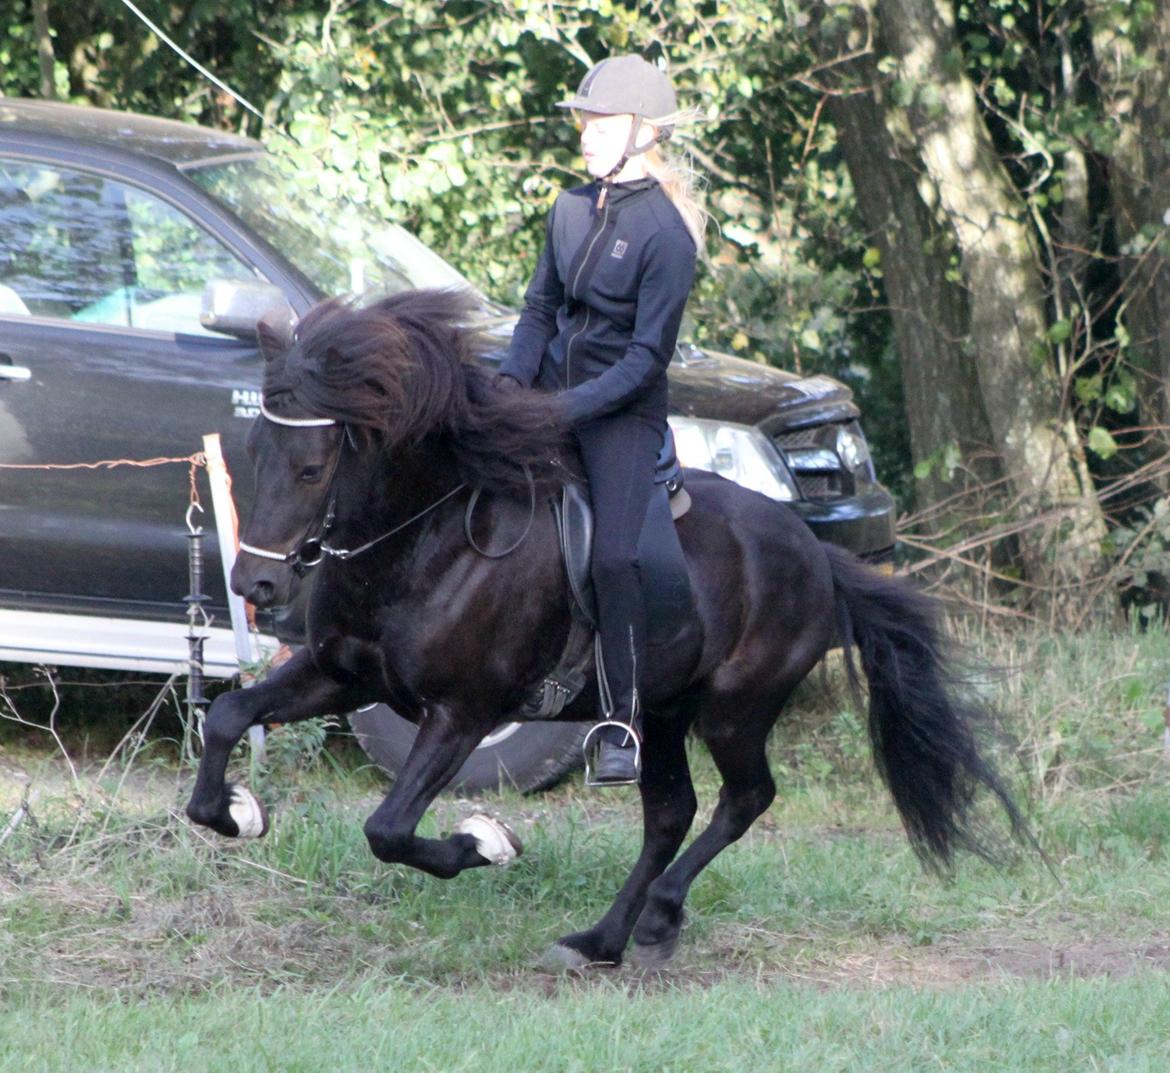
column 521, row 756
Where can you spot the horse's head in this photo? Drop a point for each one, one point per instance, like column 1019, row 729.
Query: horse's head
column 399, row 374
column 294, row 455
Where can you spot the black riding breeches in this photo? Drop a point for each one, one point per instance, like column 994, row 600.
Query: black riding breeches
column 619, row 453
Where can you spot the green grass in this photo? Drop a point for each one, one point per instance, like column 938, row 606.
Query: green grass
column 132, row 941
column 1088, row 1024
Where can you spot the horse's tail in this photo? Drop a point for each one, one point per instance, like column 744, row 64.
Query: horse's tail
column 922, row 730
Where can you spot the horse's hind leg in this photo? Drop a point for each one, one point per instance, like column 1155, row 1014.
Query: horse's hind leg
column 296, row 690
column 668, row 807
column 736, row 743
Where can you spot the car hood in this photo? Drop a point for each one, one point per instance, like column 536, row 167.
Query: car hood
column 717, row 386
column 707, row 383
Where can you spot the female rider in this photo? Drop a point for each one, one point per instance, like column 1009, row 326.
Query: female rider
column 599, row 326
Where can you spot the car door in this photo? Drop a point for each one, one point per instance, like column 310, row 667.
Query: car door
column 104, row 365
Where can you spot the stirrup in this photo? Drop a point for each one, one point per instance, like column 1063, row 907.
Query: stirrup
column 591, row 753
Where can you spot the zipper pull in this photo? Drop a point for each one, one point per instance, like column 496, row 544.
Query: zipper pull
column 601, row 197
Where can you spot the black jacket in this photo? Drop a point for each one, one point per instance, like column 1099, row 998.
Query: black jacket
column 602, row 313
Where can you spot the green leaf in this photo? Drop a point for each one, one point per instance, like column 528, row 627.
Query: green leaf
column 1101, row 443
column 1060, row 331
column 1121, row 396
column 1088, row 388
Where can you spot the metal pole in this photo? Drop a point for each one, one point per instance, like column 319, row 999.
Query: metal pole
column 225, row 515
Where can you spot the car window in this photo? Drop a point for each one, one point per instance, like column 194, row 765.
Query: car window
column 342, row 246
column 85, row 248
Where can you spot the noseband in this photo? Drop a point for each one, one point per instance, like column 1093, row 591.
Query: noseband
column 310, row 551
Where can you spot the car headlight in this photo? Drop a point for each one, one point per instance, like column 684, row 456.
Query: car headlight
column 739, row 452
column 852, row 449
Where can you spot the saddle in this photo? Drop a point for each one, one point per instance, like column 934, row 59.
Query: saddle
column 669, row 600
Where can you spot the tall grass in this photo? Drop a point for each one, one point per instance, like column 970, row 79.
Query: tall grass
column 131, row 940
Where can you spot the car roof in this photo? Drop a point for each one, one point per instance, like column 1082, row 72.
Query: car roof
column 168, row 140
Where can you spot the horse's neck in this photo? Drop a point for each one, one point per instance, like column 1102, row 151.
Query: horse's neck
column 388, row 488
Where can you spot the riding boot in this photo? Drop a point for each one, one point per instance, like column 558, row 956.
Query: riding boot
column 617, row 764
column 613, row 748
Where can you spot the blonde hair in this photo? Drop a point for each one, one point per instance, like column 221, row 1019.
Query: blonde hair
column 679, row 179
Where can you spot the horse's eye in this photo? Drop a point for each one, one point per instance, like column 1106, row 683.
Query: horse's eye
column 311, row 474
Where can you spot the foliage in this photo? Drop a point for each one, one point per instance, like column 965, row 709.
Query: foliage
column 441, row 115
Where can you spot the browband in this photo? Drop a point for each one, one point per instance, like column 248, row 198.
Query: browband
column 296, row 422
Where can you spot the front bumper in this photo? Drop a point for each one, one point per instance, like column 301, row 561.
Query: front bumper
column 862, row 523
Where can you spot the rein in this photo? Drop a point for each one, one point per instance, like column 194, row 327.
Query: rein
column 349, row 553
column 310, row 551
column 519, row 540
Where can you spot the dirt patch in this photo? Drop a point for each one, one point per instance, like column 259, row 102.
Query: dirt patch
column 975, row 957
column 1014, row 959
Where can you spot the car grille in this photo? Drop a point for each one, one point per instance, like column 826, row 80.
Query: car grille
column 812, row 459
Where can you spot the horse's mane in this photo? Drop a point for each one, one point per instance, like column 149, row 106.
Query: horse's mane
column 406, row 368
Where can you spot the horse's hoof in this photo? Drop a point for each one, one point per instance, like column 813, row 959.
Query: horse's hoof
column 494, row 841
column 653, row 955
column 559, row 958
column 249, row 816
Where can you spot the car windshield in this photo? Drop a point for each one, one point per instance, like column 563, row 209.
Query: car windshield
column 343, row 247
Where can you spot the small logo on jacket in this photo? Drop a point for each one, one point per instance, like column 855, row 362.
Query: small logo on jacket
column 619, row 248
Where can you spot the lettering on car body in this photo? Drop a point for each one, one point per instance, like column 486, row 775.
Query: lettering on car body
column 245, row 402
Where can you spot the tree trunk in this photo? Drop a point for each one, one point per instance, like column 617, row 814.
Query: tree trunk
column 48, row 86
column 991, row 299
column 929, row 315
column 1132, row 67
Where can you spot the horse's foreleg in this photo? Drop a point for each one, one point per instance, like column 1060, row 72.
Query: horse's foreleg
column 438, row 753
column 296, row 690
column 668, row 808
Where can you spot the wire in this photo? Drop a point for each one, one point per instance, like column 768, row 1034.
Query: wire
column 196, row 459
column 194, row 63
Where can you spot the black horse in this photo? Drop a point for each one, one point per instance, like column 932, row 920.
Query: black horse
column 377, row 424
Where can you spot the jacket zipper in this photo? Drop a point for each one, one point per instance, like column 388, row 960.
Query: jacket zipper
column 569, row 349
column 573, row 290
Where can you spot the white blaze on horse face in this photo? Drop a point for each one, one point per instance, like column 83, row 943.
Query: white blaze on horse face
column 494, row 841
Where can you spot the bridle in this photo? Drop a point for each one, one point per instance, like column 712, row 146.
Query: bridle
column 309, row 551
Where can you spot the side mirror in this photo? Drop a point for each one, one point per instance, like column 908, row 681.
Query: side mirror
column 234, row 307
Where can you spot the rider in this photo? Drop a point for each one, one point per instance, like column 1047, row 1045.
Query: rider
column 599, row 326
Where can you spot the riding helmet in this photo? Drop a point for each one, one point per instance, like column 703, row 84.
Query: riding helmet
column 624, row 85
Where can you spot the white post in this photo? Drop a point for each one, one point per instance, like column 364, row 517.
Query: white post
column 225, row 526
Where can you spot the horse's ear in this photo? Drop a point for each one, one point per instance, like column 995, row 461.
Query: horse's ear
column 274, row 330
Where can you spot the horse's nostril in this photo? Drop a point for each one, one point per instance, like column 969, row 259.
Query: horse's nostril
column 262, row 594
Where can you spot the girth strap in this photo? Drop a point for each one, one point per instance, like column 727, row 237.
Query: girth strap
column 564, row 683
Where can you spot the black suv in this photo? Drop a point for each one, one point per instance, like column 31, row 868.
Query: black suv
column 127, row 245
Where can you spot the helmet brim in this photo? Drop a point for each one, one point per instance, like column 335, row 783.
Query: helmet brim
column 582, row 104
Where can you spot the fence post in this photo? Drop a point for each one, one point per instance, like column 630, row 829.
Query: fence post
column 225, row 526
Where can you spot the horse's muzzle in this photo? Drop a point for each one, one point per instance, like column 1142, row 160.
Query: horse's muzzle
column 261, row 586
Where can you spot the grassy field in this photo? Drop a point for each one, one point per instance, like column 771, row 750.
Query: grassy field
column 131, row 941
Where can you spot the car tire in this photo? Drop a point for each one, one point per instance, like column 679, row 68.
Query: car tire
column 521, row 756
